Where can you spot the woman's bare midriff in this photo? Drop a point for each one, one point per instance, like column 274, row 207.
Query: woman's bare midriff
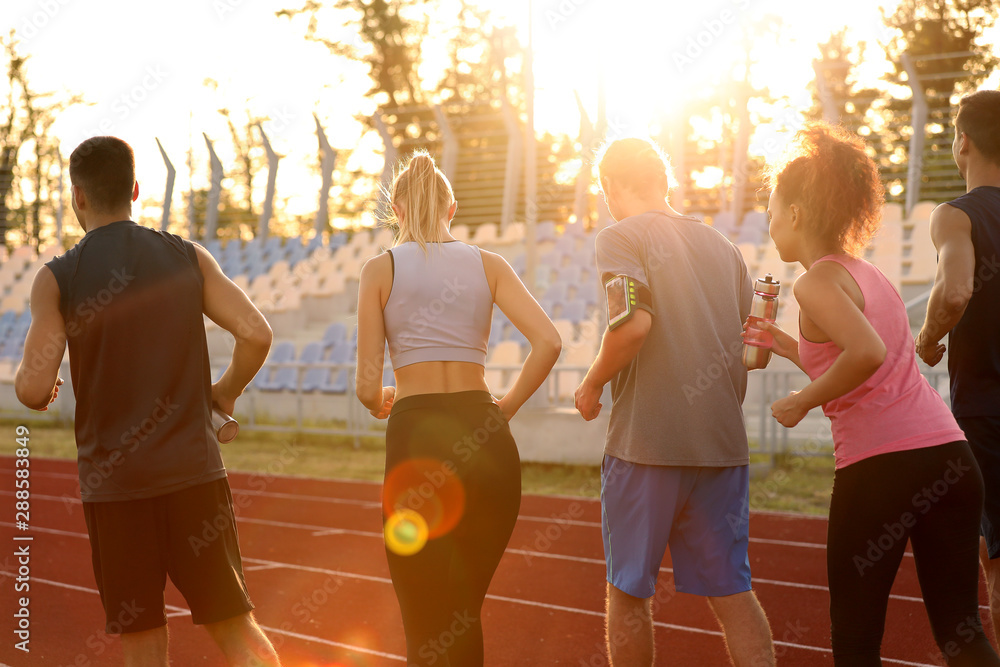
column 439, row 377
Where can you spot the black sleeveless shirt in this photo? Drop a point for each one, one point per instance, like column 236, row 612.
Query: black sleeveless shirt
column 131, row 298
column 974, row 343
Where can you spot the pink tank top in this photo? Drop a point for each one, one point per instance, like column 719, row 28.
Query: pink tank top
column 895, row 409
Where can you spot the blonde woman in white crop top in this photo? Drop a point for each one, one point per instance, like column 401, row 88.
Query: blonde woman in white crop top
column 452, row 484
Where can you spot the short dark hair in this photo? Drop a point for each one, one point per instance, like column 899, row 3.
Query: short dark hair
column 105, row 168
column 979, row 118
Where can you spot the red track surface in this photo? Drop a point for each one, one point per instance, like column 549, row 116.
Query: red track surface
column 316, row 569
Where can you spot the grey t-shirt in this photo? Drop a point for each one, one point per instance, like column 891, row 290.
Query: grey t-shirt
column 679, row 402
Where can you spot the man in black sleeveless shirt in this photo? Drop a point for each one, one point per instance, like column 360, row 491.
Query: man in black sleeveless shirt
column 130, row 303
column 965, row 301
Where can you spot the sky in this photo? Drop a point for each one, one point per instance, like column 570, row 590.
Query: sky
column 143, row 68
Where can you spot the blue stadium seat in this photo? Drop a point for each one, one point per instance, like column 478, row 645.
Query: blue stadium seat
column 214, row 247
column 334, row 334
column 311, row 353
column 575, row 311
column 565, row 243
column 338, row 384
column 510, row 332
column 314, row 379
column 590, row 292
column 337, row 240
column 286, row 379
column 724, row 223
column 262, row 381
column 546, row 231
column 556, row 291
column 754, row 228
column 342, row 353
column 232, row 250
column 572, row 274
column 282, row 352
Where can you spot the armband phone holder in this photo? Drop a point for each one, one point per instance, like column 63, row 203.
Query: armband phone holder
column 621, row 292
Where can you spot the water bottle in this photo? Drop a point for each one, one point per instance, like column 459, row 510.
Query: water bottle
column 757, row 343
column 225, row 426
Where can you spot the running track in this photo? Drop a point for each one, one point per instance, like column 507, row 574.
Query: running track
column 316, row 569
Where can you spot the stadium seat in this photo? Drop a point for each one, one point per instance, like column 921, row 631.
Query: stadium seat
column 512, row 233
column 506, row 353
column 314, row 379
column 285, row 378
column 546, row 231
column 922, row 258
column 311, row 353
column 566, row 330
column 486, row 233
column 887, row 250
column 575, row 311
column 753, row 229
column 282, row 352
column 334, row 335
column 724, row 222
column 460, row 232
column 556, row 291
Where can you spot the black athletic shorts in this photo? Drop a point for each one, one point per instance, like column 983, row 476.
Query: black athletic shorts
column 189, row 534
column 983, row 434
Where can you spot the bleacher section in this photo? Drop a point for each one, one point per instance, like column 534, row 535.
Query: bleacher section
column 308, row 292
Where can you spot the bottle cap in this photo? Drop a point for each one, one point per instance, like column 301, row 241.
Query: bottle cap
column 767, row 285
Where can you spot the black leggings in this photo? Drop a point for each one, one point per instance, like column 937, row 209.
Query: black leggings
column 934, row 497
column 451, row 458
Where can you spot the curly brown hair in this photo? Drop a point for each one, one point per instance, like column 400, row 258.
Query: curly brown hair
column 828, row 174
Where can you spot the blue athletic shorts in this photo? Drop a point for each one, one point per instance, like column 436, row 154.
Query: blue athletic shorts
column 702, row 513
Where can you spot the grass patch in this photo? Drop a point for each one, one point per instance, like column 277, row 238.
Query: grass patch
column 793, row 484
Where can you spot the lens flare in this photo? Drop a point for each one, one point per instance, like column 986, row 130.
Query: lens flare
column 405, row 532
column 428, row 487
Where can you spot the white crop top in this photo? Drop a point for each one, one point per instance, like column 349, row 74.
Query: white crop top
column 440, row 307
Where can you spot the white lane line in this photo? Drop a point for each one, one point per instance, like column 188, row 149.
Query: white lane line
column 271, row 565
column 372, row 504
column 174, row 610
column 180, row 611
column 321, row 531
column 349, row 647
column 327, row 530
column 257, row 568
column 571, row 610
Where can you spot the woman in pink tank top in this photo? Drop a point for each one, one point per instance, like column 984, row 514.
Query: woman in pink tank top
column 903, row 468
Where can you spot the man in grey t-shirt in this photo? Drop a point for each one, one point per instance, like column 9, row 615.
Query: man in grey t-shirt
column 675, row 469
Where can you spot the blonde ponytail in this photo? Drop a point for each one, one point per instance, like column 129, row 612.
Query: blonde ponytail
column 424, row 195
